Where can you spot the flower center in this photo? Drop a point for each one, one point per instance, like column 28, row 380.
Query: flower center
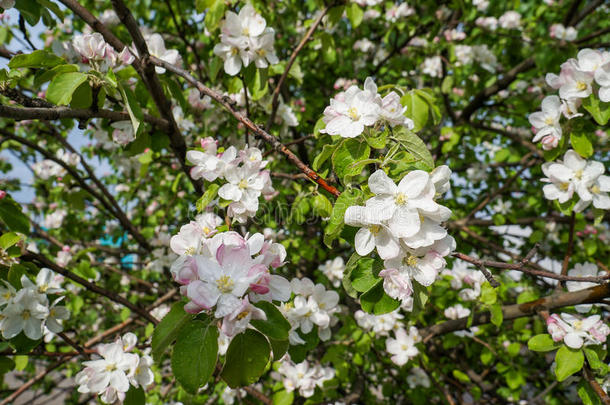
column 234, row 51
column 353, row 113
column 242, row 315
column 243, row 183
column 7, row 295
column 110, row 367
column 401, row 199
column 595, row 189
column 375, row 229
column 410, row 261
column 577, row 325
column 580, row 86
column 225, row 284
column 548, row 121
column 189, row 251
column 26, row 315
column 564, row 186
column 261, row 52
column 578, row 173
column 206, row 230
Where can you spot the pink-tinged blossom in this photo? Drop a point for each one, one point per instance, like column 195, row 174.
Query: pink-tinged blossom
column 237, row 321
column 576, row 332
column 222, row 284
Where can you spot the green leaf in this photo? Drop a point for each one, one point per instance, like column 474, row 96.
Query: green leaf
column 322, row 206
column 416, row 147
column 30, row 10
column 355, row 14
column 63, row 85
column 168, row 329
column 275, row 326
column 9, row 239
column 349, row 152
column 600, row 112
column 593, row 359
column 587, row 395
column 376, row 301
column 581, row 144
column 23, row 345
column 363, row 275
column 36, row 59
column 246, row 359
column 207, row 197
column 488, row 294
column 195, row 354
column 133, row 108
column 542, row 343
column 282, row 397
column 45, row 76
column 327, row 151
column 569, row 361
column 420, row 298
column 82, row 96
column 346, row 199
column 6, row 364
column 496, row 314
column 11, row 215
column 135, row 396
column 214, row 15
column 417, row 109
column 279, row 348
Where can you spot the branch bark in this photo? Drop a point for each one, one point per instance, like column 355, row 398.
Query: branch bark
column 558, row 300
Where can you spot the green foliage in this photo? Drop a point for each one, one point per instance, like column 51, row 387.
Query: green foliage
column 569, row 361
column 246, row 359
column 195, row 353
column 168, row 329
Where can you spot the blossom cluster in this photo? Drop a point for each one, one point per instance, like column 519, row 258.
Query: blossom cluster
column 313, row 305
column 574, row 82
column 47, row 168
column 333, row 270
column 467, row 281
column 381, row 325
column 243, row 170
column 303, row 376
column 245, row 38
column 352, row 110
column 28, row 309
column 577, row 176
column 220, row 273
column 94, row 51
column 403, row 222
column 576, row 332
column 118, row 369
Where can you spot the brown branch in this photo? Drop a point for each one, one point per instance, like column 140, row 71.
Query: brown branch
column 276, row 92
column 521, row 266
column 56, row 113
column 32, row 256
column 557, row 300
column 566, row 259
column 146, row 72
column 586, row 372
column 258, row 131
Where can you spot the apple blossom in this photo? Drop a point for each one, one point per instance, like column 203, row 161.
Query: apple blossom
column 576, row 332
column 402, row 348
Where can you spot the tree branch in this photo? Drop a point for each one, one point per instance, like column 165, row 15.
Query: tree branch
column 228, row 105
column 276, row 92
column 31, row 256
column 558, row 300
